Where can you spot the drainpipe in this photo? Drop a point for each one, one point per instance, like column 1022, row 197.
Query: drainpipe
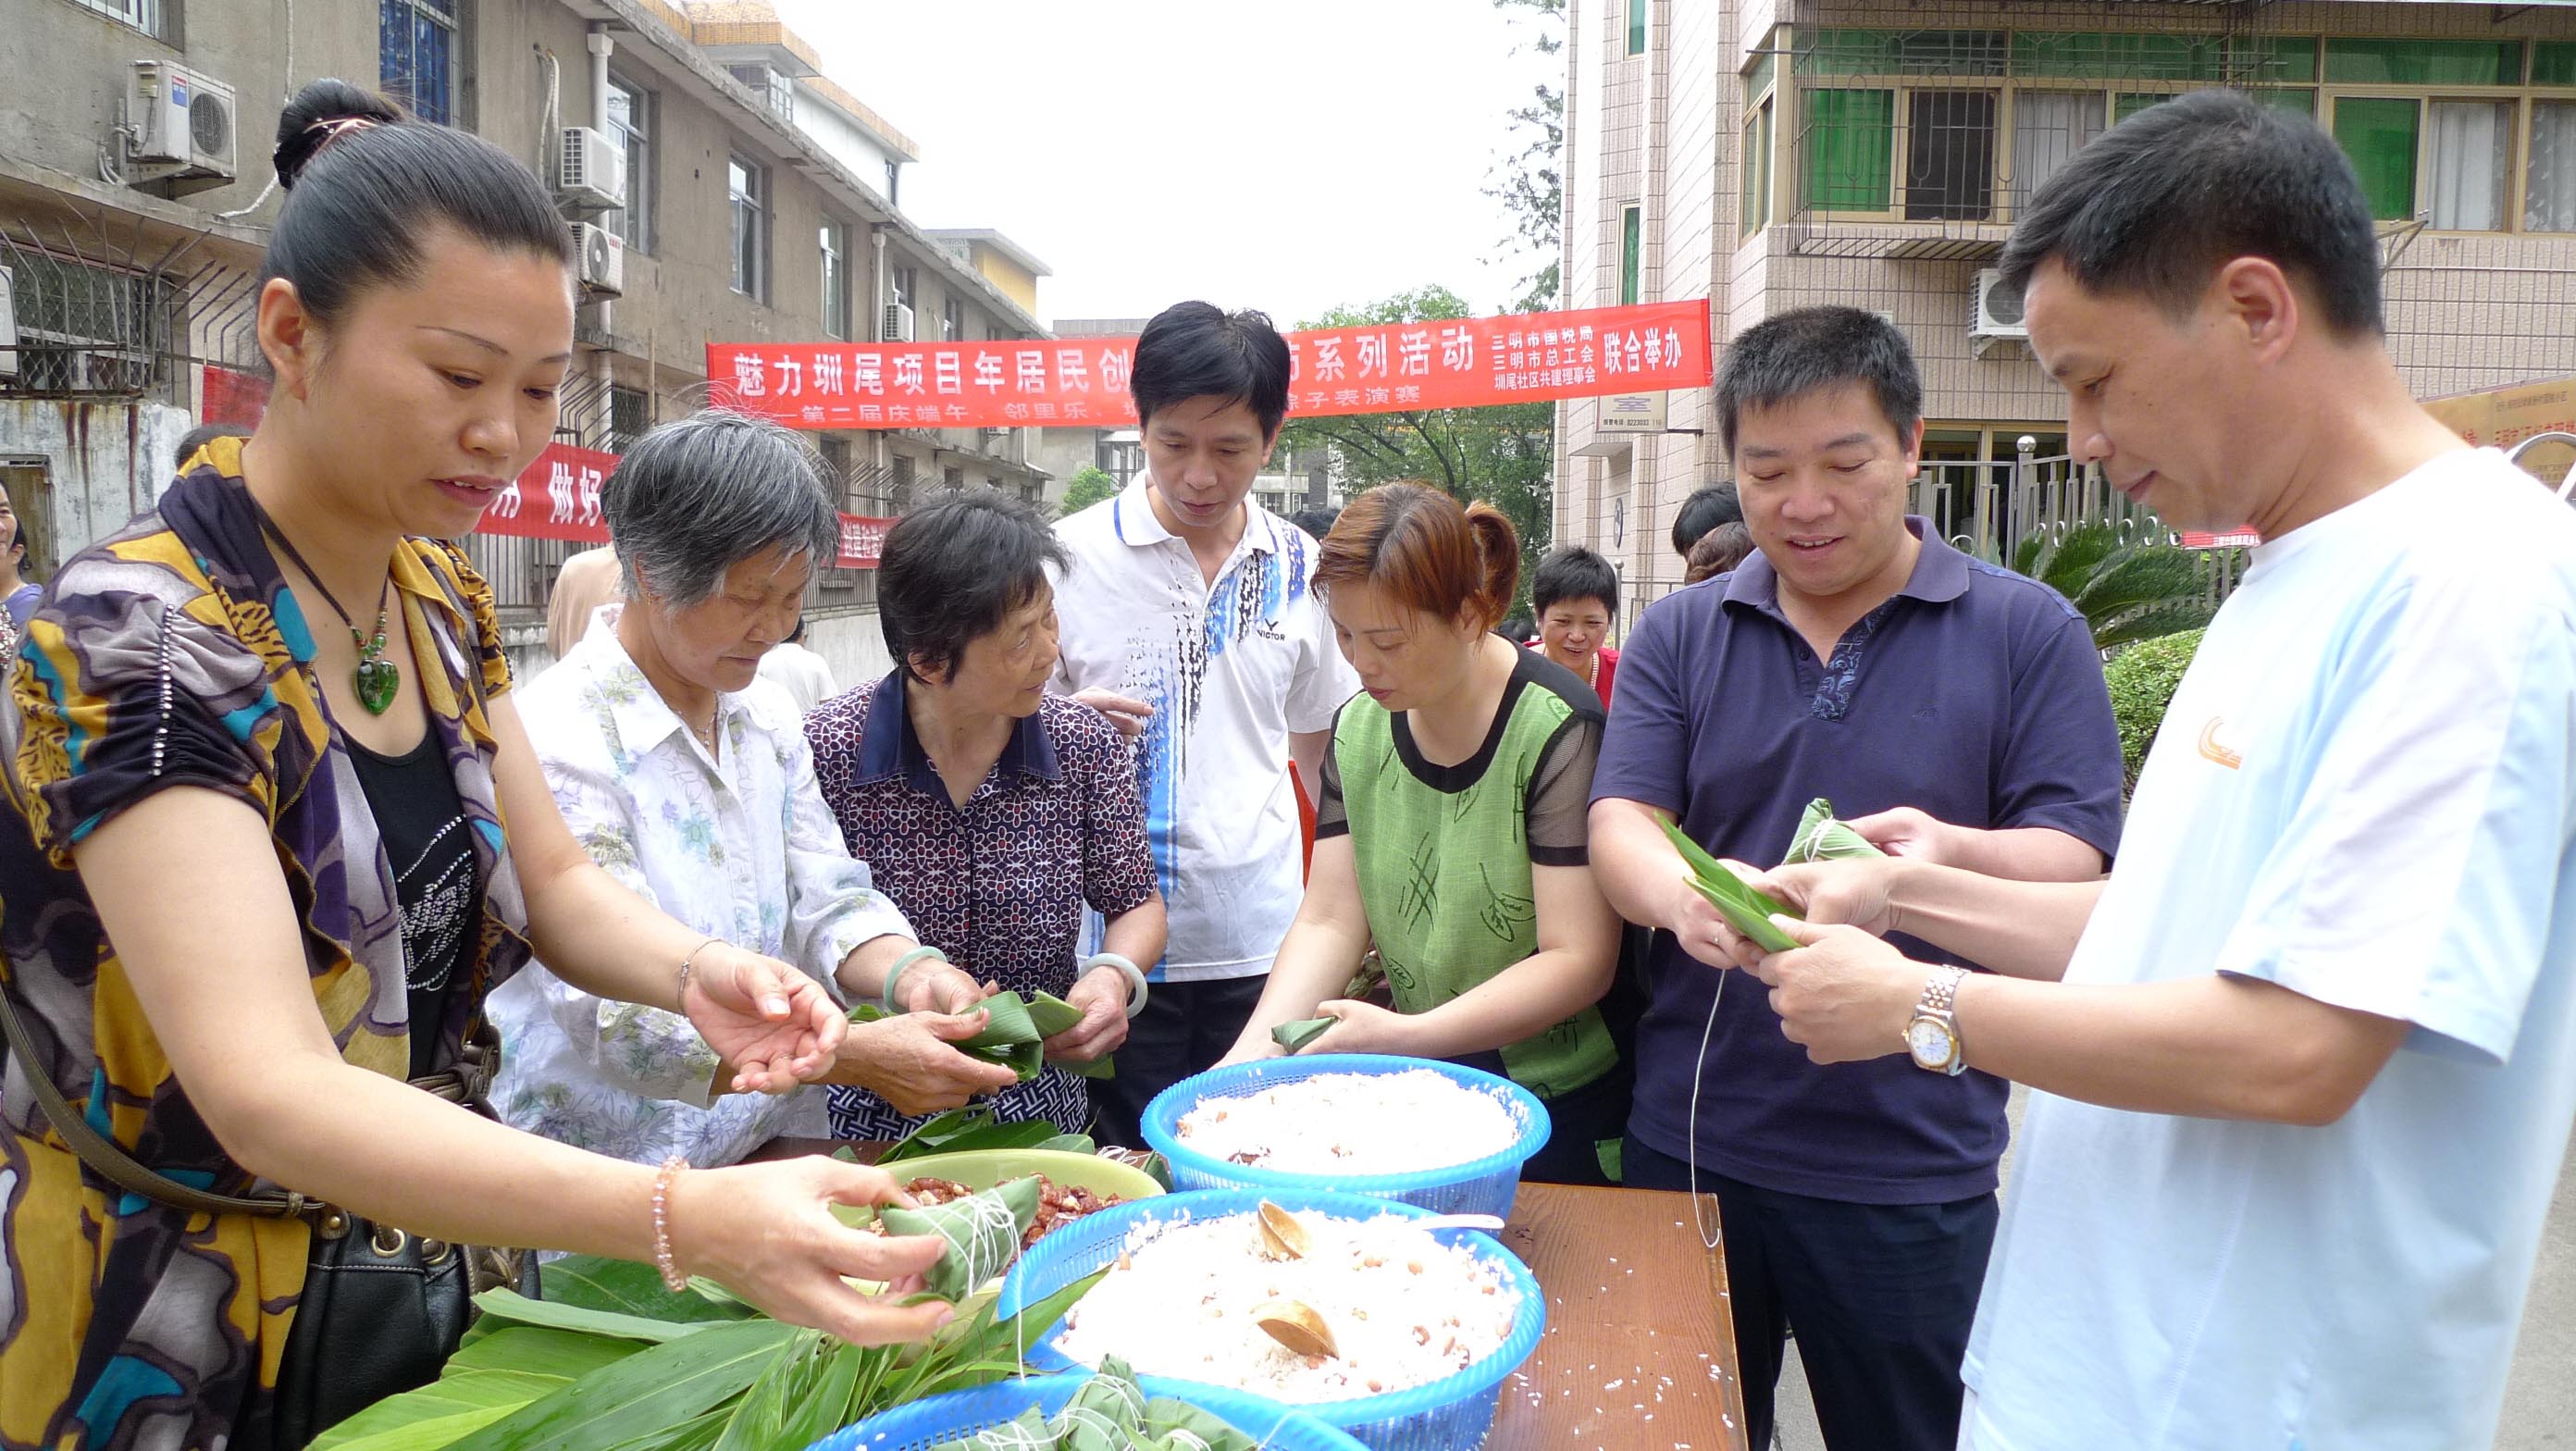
column 876, row 329
column 602, row 362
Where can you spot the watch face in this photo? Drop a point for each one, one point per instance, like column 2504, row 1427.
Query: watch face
column 1930, row 1041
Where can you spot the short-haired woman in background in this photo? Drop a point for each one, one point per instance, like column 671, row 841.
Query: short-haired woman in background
column 1576, row 595
column 989, row 810
column 1451, row 831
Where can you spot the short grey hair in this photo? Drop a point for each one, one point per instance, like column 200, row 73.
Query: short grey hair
column 695, row 497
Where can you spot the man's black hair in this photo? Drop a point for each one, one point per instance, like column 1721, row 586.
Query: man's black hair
column 1195, row 350
column 2161, row 201
column 1810, row 349
column 1704, row 510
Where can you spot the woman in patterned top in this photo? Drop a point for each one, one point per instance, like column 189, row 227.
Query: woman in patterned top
column 989, row 810
column 230, row 942
column 1450, row 834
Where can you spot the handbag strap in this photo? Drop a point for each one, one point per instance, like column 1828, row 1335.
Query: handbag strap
column 114, row 1164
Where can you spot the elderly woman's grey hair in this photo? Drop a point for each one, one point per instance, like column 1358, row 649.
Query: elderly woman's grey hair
column 695, row 497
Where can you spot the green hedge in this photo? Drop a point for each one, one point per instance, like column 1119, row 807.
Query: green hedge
column 2142, row 680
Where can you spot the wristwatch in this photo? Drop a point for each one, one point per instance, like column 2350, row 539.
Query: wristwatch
column 1932, row 1034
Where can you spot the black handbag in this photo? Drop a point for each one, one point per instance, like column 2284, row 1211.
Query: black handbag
column 382, row 1309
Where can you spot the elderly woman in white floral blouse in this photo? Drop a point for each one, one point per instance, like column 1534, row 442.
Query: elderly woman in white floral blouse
column 689, row 779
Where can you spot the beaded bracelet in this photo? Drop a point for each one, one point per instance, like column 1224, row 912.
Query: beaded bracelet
column 894, row 974
column 662, row 1259
column 1134, row 975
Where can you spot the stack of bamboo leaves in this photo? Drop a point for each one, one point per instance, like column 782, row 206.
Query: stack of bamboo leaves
column 610, row 1360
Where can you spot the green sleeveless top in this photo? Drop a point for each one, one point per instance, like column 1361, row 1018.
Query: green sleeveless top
column 1446, row 853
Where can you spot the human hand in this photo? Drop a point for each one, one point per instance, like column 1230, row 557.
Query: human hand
column 1363, row 1028
column 1698, row 926
column 936, row 985
column 1102, row 995
column 1909, row 832
column 1841, row 994
column 775, row 1025
column 911, row 1063
column 767, row 1233
column 1852, row 891
column 1124, row 711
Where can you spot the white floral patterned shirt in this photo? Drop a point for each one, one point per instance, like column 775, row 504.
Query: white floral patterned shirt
column 738, row 846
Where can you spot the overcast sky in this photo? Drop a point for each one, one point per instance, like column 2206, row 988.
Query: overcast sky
column 1288, row 157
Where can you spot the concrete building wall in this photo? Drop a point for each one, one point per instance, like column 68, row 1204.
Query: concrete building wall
column 81, row 470
column 2465, row 310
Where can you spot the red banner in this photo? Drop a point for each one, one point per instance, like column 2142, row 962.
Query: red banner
column 1082, row 382
column 557, row 497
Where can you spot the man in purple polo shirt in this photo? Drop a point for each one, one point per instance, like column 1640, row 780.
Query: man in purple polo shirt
column 1859, row 658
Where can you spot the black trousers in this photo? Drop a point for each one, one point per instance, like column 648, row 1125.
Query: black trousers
column 1185, row 1028
column 1580, row 1122
column 1880, row 1295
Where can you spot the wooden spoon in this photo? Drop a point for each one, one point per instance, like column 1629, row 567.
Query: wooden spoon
column 1296, row 1326
column 1283, row 1236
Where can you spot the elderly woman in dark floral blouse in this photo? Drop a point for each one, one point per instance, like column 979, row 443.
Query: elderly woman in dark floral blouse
column 991, row 812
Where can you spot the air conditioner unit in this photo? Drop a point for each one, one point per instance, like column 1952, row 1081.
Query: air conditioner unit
column 8, row 328
column 1994, row 311
column 601, row 256
column 898, row 324
column 593, row 173
column 181, row 121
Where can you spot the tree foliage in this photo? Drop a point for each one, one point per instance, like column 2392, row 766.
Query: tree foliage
column 1530, row 183
column 2130, row 585
column 1504, row 456
column 1090, row 484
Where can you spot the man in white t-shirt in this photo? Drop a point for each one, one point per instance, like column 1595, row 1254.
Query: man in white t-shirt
column 2306, row 1063
column 1190, row 606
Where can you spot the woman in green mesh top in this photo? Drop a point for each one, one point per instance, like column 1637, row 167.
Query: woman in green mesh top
column 1450, row 833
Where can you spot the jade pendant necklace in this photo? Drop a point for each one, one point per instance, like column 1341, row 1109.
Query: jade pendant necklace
column 375, row 682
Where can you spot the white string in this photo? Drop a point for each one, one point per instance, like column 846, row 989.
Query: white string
column 1699, row 1217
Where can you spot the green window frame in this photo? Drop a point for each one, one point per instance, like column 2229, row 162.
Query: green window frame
column 1636, row 27
column 1755, row 163
column 2383, row 136
column 2377, row 61
column 1850, row 151
column 1906, row 52
column 2118, row 55
column 1632, row 236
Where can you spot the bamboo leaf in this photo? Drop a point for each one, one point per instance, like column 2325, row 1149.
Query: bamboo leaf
column 629, row 1288
column 820, row 1413
column 516, row 1308
column 530, row 1350
column 1295, row 1036
column 758, row 1416
column 1821, row 838
column 663, row 1387
column 437, row 1414
column 1746, row 910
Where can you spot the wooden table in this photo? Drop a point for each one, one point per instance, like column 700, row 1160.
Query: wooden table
column 1640, row 1348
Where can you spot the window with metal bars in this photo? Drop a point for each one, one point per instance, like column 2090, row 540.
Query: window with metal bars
column 147, row 16
column 630, row 415
column 416, row 56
